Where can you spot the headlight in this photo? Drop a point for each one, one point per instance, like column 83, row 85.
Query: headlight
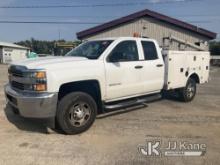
column 38, row 79
column 35, row 74
column 40, row 87
column 41, row 74
column 26, row 79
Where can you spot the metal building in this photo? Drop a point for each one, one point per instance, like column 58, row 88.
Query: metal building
column 169, row 32
column 11, row 52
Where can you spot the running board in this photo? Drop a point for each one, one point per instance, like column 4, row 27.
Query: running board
column 131, row 102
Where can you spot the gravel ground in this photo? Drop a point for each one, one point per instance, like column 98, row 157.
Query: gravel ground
column 114, row 138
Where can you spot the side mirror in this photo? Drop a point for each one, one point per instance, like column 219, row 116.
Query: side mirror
column 116, row 57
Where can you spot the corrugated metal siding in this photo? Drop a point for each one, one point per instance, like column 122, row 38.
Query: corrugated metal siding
column 153, row 29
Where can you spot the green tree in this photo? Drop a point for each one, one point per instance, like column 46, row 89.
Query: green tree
column 47, row 47
column 214, row 47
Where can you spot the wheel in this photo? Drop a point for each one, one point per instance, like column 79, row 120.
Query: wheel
column 188, row 93
column 76, row 112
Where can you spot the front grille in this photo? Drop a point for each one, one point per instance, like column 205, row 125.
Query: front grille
column 17, row 74
column 17, row 85
column 17, row 71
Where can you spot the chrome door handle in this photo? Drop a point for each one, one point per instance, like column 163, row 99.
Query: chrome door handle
column 159, row 65
column 138, row 67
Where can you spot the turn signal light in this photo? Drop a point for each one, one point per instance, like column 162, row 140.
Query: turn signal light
column 41, row 75
column 40, row 87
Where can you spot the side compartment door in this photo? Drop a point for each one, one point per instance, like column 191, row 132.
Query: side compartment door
column 153, row 67
column 123, row 71
column 205, row 67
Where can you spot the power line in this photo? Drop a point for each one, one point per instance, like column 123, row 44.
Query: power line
column 189, row 21
column 95, row 5
column 46, row 22
column 55, row 16
column 64, row 22
column 90, row 16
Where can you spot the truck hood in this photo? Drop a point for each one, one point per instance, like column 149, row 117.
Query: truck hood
column 41, row 62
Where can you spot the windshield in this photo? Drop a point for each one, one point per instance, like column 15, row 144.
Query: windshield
column 90, row 49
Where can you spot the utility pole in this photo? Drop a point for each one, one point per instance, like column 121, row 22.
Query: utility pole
column 59, row 33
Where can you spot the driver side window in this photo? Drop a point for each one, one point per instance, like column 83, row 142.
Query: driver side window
column 124, row 51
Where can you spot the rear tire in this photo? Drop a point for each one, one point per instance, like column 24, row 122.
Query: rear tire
column 76, row 112
column 188, row 93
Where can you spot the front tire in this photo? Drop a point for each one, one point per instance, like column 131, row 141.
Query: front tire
column 188, row 93
column 76, row 112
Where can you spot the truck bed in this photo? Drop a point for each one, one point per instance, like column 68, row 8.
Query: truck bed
column 179, row 65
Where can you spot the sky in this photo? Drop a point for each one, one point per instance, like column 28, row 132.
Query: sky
column 202, row 13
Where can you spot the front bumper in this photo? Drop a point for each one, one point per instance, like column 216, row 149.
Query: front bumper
column 32, row 105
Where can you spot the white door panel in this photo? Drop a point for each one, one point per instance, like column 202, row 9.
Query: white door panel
column 153, row 76
column 153, row 67
column 123, row 79
column 122, row 74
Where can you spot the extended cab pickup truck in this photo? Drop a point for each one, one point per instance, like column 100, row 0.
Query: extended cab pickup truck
column 102, row 75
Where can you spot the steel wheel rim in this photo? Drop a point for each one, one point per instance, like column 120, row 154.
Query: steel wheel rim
column 190, row 91
column 79, row 114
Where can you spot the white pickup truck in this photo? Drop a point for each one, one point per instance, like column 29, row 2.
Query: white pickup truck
column 99, row 76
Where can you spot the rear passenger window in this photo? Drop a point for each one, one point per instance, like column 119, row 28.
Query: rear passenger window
column 150, row 51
